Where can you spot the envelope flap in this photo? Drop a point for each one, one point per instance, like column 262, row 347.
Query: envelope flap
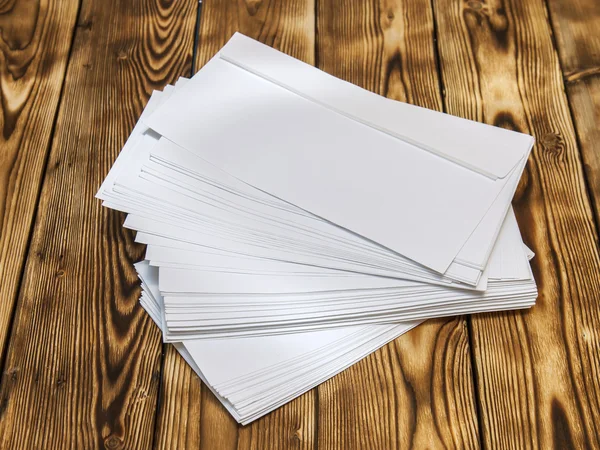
column 489, row 150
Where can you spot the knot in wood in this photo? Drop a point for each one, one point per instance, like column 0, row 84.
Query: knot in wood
column 475, row 5
column 387, row 19
column 85, row 24
column 552, row 142
column 252, row 6
column 297, row 437
column 13, row 373
column 112, row 442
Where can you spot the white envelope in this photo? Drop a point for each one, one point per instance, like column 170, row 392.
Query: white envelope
column 468, row 273
column 343, row 153
column 193, row 199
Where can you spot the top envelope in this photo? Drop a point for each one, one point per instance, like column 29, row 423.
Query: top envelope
column 416, row 181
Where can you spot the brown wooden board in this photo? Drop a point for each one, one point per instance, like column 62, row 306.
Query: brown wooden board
column 577, row 31
column 35, row 40
column 584, row 98
column 416, row 392
column 180, row 405
column 537, row 371
column 83, row 366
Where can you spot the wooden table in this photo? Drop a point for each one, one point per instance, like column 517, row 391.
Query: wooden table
column 83, row 366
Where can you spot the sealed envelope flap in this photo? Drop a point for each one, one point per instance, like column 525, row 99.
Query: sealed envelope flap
column 489, row 150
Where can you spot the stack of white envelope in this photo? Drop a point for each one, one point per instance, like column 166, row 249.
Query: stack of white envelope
column 295, row 222
column 251, row 376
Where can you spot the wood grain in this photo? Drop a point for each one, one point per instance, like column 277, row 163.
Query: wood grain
column 288, row 26
column 289, row 427
column 537, row 371
column 178, row 417
column 416, row 392
column 584, row 97
column 218, row 430
column 35, row 39
column 83, row 367
column 578, row 41
column 577, row 37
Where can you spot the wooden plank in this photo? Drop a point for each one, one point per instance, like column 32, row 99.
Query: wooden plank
column 537, row 371
column 82, row 369
column 416, row 392
column 584, row 97
column 575, row 27
column 218, row 430
column 578, row 40
column 179, row 413
column 34, row 48
column 291, row 426
column 288, row 26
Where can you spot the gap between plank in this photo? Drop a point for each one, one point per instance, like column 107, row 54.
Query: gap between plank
column 467, row 319
column 196, row 37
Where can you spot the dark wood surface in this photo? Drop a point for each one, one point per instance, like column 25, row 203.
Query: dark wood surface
column 34, row 49
column 83, row 365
